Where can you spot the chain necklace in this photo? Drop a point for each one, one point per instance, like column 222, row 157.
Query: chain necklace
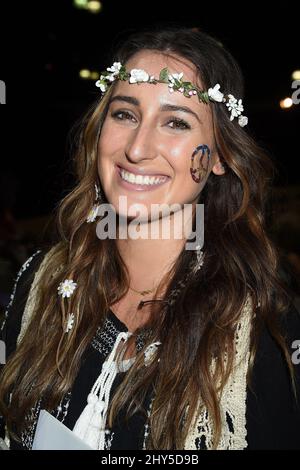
column 143, row 292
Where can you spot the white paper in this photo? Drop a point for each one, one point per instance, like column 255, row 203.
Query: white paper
column 51, row 434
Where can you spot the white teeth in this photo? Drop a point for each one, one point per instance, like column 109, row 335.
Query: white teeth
column 140, row 179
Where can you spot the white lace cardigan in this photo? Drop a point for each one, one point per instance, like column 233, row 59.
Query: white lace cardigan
column 232, row 399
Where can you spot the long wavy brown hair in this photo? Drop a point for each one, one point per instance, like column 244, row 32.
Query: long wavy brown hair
column 239, row 259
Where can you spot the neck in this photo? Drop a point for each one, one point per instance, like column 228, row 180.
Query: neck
column 149, row 259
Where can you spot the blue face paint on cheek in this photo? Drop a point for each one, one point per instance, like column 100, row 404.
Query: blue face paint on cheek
column 200, row 162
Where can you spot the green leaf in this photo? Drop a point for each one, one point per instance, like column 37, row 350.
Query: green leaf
column 164, row 74
column 203, row 96
column 177, row 83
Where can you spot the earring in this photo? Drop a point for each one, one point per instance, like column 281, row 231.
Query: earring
column 198, row 173
column 98, row 193
column 98, row 200
column 200, row 259
column 222, row 166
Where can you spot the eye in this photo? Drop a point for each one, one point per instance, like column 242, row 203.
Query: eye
column 179, row 124
column 116, row 115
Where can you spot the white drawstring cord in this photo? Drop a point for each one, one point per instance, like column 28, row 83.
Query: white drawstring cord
column 91, row 424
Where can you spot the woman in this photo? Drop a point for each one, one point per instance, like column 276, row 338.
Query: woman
column 141, row 343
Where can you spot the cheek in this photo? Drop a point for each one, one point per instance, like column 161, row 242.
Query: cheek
column 104, row 153
column 177, row 149
column 182, row 150
column 179, row 153
column 107, row 147
column 180, row 159
column 106, row 143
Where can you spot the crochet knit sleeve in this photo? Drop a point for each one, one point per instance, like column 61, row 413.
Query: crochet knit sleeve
column 11, row 324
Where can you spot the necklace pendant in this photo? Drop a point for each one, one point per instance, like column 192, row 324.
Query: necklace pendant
column 145, row 292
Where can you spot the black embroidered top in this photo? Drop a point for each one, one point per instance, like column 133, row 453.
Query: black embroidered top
column 272, row 415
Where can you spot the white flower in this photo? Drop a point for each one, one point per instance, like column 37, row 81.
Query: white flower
column 235, row 106
column 149, row 352
column 175, row 76
column 115, row 68
column 102, row 86
column 171, row 78
column 66, row 288
column 111, row 77
column 70, row 322
column 138, row 75
column 232, row 100
column 243, row 121
column 215, row 94
column 92, row 214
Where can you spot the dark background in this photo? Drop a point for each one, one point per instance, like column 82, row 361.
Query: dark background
column 44, row 44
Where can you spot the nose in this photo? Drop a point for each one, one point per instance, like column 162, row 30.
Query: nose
column 141, row 144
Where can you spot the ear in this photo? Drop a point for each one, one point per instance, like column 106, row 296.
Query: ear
column 218, row 168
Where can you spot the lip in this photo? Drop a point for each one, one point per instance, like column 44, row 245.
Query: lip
column 137, row 187
column 140, row 172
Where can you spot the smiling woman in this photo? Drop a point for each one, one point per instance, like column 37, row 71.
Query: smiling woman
column 141, row 343
column 156, row 131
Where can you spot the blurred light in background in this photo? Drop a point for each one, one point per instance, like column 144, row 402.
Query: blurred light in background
column 80, row 3
column 93, row 6
column 94, row 75
column 88, row 74
column 84, row 73
column 286, row 103
column 296, row 75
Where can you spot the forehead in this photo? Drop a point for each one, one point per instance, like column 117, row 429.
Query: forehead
column 153, row 62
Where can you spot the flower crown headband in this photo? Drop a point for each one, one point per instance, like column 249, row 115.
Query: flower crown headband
column 175, row 83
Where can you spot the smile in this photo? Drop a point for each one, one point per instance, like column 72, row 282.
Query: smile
column 141, row 181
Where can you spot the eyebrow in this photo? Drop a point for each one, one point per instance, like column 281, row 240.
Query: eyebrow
column 163, row 107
